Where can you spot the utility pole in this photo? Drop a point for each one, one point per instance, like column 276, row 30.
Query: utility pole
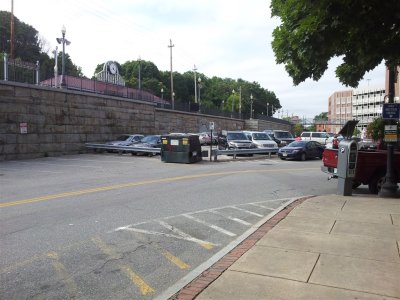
column 172, row 78
column 195, row 84
column 240, row 101
column 12, row 30
column 139, row 79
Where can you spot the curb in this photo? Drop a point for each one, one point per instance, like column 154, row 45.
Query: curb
column 194, row 288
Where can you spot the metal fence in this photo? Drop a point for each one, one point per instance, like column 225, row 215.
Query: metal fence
column 25, row 72
column 19, row 71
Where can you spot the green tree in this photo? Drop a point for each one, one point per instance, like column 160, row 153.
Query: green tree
column 26, row 42
column 29, row 47
column 362, row 32
column 321, row 117
column 298, row 129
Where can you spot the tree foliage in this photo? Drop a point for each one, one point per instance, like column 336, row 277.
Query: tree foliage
column 30, row 47
column 376, row 129
column 362, row 32
column 215, row 92
column 321, row 117
column 298, row 129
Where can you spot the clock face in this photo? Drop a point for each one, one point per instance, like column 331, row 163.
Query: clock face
column 113, row 68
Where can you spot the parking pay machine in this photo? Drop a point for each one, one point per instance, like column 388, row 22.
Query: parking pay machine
column 346, row 166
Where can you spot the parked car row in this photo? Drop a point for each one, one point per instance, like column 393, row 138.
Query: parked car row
column 275, row 142
column 137, row 141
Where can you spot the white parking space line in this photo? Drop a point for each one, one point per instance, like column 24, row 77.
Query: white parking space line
column 247, row 211
column 230, row 218
column 181, row 235
column 205, row 244
column 259, row 205
column 215, row 227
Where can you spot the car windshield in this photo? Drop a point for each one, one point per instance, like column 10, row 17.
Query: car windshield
column 236, row 136
column 150, row 139
column 283, row 135
column 122, row 138
column 261, row 136
column 297, row 144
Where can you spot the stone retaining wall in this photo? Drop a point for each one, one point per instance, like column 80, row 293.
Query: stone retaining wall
column 62, row 121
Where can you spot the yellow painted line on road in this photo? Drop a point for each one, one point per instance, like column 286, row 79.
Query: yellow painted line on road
column 175, row 260
column 138, row 183
column 136, row 280
column 71, row 285
column 139, row 282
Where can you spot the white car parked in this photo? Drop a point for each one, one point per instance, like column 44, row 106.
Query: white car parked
column 262, row 140
column 320, row 137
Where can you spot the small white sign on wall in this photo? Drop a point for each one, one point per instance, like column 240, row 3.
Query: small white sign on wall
column 23, row 128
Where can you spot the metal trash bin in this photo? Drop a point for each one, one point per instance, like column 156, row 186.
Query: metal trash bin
column 180, row 148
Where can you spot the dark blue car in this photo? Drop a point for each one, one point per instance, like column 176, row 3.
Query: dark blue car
column 301, row 150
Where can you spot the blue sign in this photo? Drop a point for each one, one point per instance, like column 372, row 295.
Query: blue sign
column 391, row 110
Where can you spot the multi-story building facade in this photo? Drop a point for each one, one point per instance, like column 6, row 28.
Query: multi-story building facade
column 364, row 104
column 339, row 110
column 367, row 105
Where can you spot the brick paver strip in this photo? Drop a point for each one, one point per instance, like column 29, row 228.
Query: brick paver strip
column 195, row 287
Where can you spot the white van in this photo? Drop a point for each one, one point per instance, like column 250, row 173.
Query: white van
column 262, row 140
column 320, row 137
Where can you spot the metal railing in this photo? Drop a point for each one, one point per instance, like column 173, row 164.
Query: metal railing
column 121, row 149
column 215, row 152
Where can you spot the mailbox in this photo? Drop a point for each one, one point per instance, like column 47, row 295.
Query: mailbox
column 346, row 166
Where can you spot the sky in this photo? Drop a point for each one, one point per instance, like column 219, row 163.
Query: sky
column 223, row 38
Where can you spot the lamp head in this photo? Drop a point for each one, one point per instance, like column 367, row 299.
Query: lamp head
column 63, row 30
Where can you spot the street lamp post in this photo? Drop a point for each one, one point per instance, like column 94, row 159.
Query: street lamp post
column 55, row 52
column 200, row 86
column 162, row 97
column 233, row 101
column 139, row 77
column 63, row 41
column 251, row 106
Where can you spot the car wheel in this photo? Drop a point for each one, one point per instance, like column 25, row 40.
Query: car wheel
column 355, row 185
column 283, row 158
column 375, row 185
column 303, row 156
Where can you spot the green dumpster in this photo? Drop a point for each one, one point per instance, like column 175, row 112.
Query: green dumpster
column 180, row 148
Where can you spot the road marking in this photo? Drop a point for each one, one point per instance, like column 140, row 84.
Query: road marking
column 231, row 218
column 136, row 280
column 71, row 286
column 175, row 260
column 139, row 282
column 205, row 244
column 215, row 227
column 247, row 211
column 259, row 205
column 139, row 183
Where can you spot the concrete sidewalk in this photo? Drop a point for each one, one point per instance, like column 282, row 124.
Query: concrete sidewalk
column 326, row 247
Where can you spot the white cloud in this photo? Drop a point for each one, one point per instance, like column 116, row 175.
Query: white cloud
column 222, row 38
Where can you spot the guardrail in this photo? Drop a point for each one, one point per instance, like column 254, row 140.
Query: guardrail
column 236, row 152
column 120, row 149
column 215, row 152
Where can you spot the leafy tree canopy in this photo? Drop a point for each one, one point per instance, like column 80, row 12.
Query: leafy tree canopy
column 362, row 32
column 215, row 92
column 30, row 47
column 321, row 117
